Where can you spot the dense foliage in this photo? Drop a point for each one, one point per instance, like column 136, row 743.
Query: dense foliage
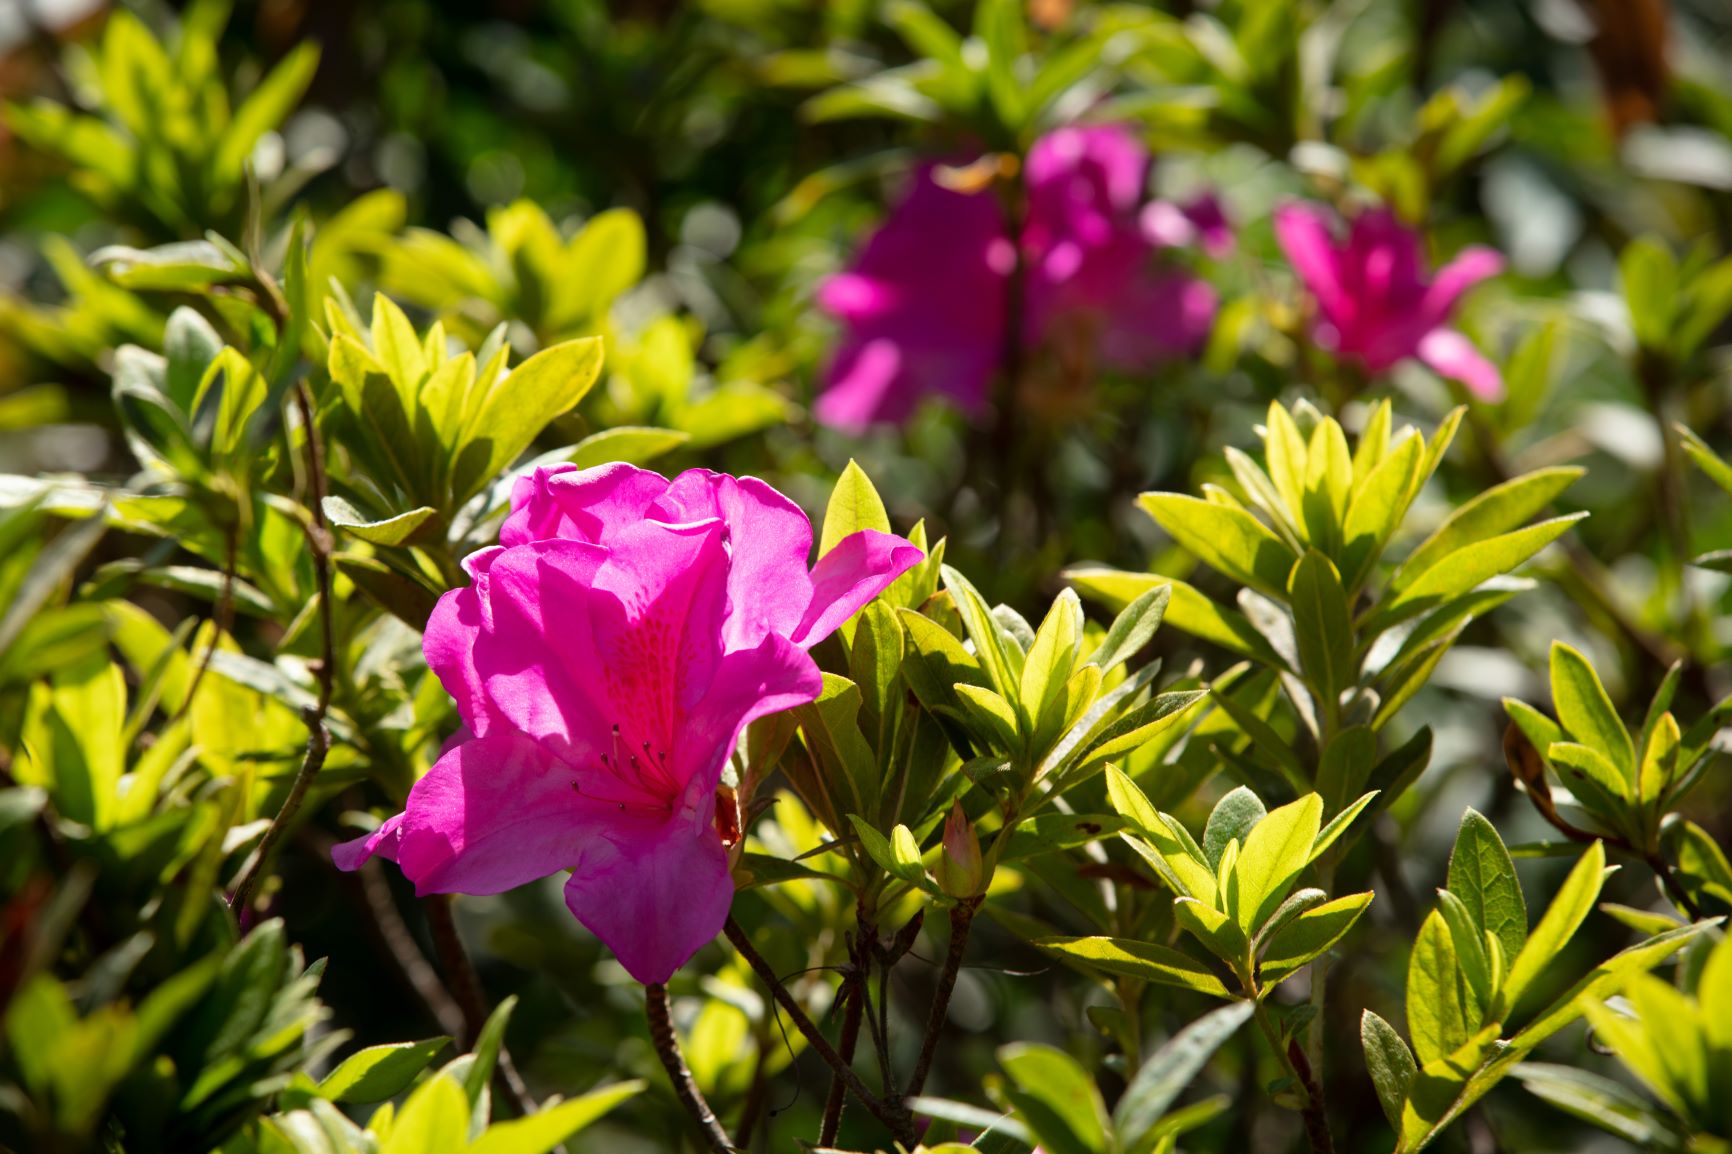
column 1113, row 577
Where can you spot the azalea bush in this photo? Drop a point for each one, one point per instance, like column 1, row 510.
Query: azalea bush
column 1082, row 577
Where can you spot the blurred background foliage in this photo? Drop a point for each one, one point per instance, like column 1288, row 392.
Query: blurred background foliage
column 677, row 178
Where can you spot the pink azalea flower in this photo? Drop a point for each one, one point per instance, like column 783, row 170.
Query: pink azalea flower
column 604, row 660
column 1376, row 300
column 1090, row 258
column 925, row 304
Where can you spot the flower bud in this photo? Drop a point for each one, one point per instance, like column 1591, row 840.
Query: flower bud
column 959, row 869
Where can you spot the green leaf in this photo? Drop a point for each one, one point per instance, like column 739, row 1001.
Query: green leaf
column 1446, row 1088
column 1389, row 1062
column 1264, row 739
column 1650, row 280
column 379, row 1072
column 1056, row 1098
column 1284, row 449
column 1323, row 630
column 1219, row 934
column 1328, row 485
column 1338, row 825
column 997, row 655
column 1052, row 832
column 1586, row 712
column 89, row 703
column 1309, row 934
column 486, row 1053
column 1482, row 875
column 898, row 855
column 602, row 261
column 1233, row 818
column 634, row 444
column 1558, row 925
column 1379, row 503
column 854, row 505
column 1495, row 511
column 1272, row 857
column 1442, row 1010
column 999, row 24
column 520, row 406
column 390, row 531
column 1471, row 952
column 830, row 727
column 540, row 1132
column 435, row 1119
column 1132, row 629
column 1160, row 1080
column 1053, row 656
column 181, row 266
column 1467, row 569
column 1141, row 725
column 1187, row 610
column 1231, row 541
column 266, row 107
column 1133, row 959
column 1706, row 458
column 1612, row 1106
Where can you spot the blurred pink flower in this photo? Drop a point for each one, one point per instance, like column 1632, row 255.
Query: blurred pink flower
column 604, row 660
column 924, row 306
column 1376, row 300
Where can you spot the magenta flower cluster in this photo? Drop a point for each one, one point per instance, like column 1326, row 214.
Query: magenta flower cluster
column 1376, row 301
column 605, row 659
column 926, row 304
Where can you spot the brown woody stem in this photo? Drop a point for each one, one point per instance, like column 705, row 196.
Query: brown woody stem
column 893, row 1115
column 667, row 1044
column 961, row 918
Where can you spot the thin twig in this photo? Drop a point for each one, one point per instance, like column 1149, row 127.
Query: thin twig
column 667, row 1044
column 854, row 1004
column 404, row 951
column 465, row 986
column 318, row 535
column 894, row 1115
column 961, row 918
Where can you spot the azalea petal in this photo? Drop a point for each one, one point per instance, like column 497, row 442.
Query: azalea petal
column 492, row 814
column 1162, row 315
column 654, row 888
column 1456, row 277
column 382, row 842
column 657, row 639
column 579, row 504
column 749, row 683
column 448, row 642
column 769, row 540
column 855, row 298
column 865, row 385
column 861, row 566
column 534, row 654
column 1455, row 357
column 1304, row 234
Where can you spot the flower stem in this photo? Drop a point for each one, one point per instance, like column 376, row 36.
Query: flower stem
column 667, row 1044
column 961, row 919
column 893, row 1114
column 1292, row 1057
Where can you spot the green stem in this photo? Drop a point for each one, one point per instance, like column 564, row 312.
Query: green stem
column 1298, row 1067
